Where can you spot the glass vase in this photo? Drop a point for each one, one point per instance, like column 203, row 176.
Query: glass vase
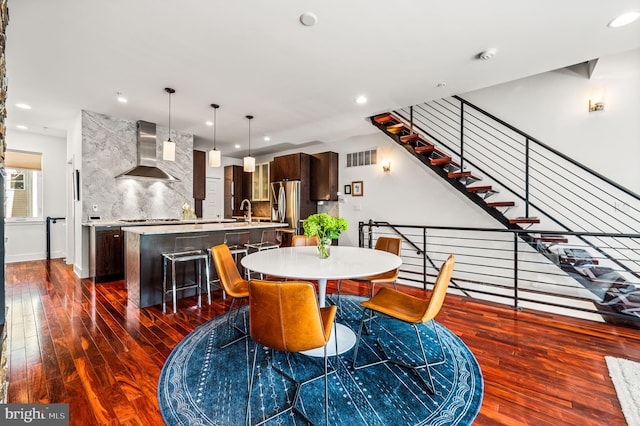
column 324, row 249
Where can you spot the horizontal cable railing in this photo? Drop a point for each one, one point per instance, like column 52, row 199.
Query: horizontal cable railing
column 566, row 195
column 545, row 179
column 562, row 274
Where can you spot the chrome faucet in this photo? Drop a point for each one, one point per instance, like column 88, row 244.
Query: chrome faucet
column 242, row 207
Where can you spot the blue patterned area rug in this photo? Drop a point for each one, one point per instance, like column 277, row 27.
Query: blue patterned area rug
column 202, row 384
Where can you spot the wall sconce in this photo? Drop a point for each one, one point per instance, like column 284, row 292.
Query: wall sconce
column 386, row 166
column 596, row 104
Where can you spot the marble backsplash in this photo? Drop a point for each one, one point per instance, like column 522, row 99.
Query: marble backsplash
column 109, row 148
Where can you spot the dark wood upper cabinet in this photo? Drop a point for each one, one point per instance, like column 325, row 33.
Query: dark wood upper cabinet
column 324, row 176
column 291, row 167
column 199, row 175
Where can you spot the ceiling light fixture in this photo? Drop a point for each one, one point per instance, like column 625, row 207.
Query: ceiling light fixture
column 121, row 98
column 267, row 138
column 488, row 54
column 362, row 99
column 21, row 127
column 237, row 146
column 169, row 147
column 23, row 106
column 215, row 155
column 308, row 19
column 209, row 123
column 249, row 162
column 624, row 19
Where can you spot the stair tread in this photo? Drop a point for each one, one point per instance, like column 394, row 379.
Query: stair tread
column 385, row 118
column 424, row 149
column 524, row 220
column 440, row 160
column 481, row 188
column 396, row 128
column 551, row 239
column 460, row 174
column 410, row 138
column 501, row 204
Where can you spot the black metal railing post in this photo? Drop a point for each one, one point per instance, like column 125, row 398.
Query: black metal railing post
column 424, row 258
column 370, row 233
column 515, row 270
column 526, row 178
column 48, row 228
column 411, row 119
column 462, row 136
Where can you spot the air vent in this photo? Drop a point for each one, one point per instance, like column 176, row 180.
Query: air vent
column 362, row 158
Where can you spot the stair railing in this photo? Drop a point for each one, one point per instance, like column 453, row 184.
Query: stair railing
column 567, row 195
column 498, row 265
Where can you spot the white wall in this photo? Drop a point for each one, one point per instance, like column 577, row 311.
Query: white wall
column 410, row 194
column 26, row 240
column 553, row 108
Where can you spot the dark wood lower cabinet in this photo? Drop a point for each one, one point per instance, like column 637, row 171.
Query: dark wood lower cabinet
column 109, row 255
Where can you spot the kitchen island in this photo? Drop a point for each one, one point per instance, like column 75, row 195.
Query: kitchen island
column 144, row 246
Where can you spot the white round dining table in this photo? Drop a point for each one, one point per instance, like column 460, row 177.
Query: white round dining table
column 303, row 263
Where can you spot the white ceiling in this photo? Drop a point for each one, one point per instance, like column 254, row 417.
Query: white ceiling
column 255, row 57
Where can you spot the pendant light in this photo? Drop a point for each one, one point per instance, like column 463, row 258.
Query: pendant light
column 249, row 162
column 169, row 147
column 214, row 154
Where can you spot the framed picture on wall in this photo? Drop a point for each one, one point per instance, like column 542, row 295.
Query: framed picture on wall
column 358, row 188
column 347, row 189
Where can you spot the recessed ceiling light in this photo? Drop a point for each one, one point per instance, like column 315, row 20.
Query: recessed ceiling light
column 237, row 146
column 209, row 123
column 308, row 19
column 267, row 138
column 23, row 106
column 487, row 54
column 22, row 127
column 361, row 99
column 624, row 19
column 121, row 98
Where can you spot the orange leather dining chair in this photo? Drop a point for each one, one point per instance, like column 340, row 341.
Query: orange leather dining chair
column 285, row 316
column 231, row 281
column 388, row 244
column 301, row 240
column 411, row 310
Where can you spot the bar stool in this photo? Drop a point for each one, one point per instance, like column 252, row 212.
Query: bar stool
column 186, row 249
column 238, row 243
column 270, row 240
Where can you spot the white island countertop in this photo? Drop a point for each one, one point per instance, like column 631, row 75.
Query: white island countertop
column 198, row 227
column 151, row 222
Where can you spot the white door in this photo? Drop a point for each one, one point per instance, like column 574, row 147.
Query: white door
column 212, row 204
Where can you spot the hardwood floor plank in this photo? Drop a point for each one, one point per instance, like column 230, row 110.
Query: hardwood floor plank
column 85, row 344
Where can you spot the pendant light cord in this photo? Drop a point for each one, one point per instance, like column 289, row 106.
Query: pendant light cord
column 249, row 117
column 170, row 91
column 215, row 125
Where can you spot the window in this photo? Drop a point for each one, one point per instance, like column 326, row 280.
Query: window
column 16, row 181
column 23, row 185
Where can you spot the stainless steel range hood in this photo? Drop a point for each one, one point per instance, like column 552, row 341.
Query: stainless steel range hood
column 146, row 167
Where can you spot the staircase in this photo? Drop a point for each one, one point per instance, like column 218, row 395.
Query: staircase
column 444, row 164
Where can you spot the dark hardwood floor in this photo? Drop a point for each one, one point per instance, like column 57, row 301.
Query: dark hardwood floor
column 76, row 342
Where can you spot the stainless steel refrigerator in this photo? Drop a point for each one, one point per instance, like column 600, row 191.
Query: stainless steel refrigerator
column 290, row 203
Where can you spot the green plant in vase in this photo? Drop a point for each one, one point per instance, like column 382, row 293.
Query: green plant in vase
column 326, row 228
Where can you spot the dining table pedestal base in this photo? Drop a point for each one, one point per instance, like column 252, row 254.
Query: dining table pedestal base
column 346, row 341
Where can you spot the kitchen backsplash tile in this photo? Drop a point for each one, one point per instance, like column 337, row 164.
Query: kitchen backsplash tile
column 109, row 148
